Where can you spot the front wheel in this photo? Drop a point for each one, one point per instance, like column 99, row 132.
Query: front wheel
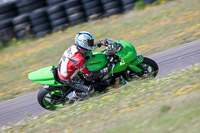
column 50, row 98
column 149, row 69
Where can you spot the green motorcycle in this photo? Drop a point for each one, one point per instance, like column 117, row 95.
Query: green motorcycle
column 120, row 55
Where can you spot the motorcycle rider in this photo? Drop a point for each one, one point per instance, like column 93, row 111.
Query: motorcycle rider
column 73, row 61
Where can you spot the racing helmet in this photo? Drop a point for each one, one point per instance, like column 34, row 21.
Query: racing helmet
column 84, row 40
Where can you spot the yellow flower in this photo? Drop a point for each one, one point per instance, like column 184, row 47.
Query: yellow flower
column 152, row 81
column 142, row 90
column 115, row 115
column 180, row 34
column 179, row 93
column 183, row 77
column 14, row 39
column 158, row 94
column 130, row 109
column 151, row 101
column 60, row 31
column 105, row 97
column 115, row 109
column 19, row 43
column 62, row 116
column 111, row 100
column 34, row 83
column 141, row 46
column 49, row 121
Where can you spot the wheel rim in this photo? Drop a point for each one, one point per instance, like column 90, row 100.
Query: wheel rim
column 147, row 70
column 50, row 97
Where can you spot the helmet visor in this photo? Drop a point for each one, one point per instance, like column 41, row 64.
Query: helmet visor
column 90, row 42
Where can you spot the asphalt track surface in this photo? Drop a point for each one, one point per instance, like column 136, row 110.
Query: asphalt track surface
column 174, row 59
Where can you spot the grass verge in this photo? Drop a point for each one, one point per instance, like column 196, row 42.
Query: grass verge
column 154, row 29
column 167, row 104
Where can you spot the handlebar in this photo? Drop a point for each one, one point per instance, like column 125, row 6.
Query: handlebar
column 113, row 48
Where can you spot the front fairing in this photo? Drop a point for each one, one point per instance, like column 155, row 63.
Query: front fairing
column 127, row 55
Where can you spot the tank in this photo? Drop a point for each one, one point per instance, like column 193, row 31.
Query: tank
column 95, row 61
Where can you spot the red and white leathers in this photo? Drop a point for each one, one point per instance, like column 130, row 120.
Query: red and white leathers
column 71, row 63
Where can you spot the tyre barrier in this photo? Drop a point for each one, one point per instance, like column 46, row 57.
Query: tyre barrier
column 93, row 9
column 40, row 22
column 127, row 4
column 7, row 12
column 54, row 2
column 40, row 17
column 22, row 25
column 27, row 6
column 112, row 7
column 58, row 18
column 148, row 1
column 74, row 11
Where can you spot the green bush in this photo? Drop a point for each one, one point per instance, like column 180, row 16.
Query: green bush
column 157, row 2
column 140, row 5
column 165, row 108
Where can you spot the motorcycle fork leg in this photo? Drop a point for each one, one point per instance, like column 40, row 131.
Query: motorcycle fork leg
column 134, row 64
column 135, row 68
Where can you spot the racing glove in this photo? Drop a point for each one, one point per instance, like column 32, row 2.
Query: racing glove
column 100, row 43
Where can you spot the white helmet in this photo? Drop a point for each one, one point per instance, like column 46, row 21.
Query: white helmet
column 84, row 40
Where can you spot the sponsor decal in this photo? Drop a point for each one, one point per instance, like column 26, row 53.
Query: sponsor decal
column 94, row 63
column 85, row 41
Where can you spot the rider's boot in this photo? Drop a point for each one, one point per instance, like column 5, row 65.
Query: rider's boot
column 84, row 88
column 81, row 92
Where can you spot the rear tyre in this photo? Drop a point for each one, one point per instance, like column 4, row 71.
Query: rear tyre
column 50, row 99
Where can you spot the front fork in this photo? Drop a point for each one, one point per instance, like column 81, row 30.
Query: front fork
column 133, row 65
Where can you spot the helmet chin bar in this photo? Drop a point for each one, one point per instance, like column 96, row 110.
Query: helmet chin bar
column 82, row 50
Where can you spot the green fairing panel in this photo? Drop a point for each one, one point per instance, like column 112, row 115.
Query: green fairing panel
column 95, row 61
column 44, row 76
column 127, row 55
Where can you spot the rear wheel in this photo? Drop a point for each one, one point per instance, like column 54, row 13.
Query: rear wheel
column 50, row 99
column 149, row 69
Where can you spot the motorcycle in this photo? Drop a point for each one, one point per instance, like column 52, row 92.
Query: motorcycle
column 119, row 54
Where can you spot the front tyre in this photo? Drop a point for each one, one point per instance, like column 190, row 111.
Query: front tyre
column 149, row 68
column 50, row 98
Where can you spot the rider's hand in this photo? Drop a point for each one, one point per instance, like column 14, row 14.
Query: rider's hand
column 116, row 47
column 102, row 42
column 98, row 44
